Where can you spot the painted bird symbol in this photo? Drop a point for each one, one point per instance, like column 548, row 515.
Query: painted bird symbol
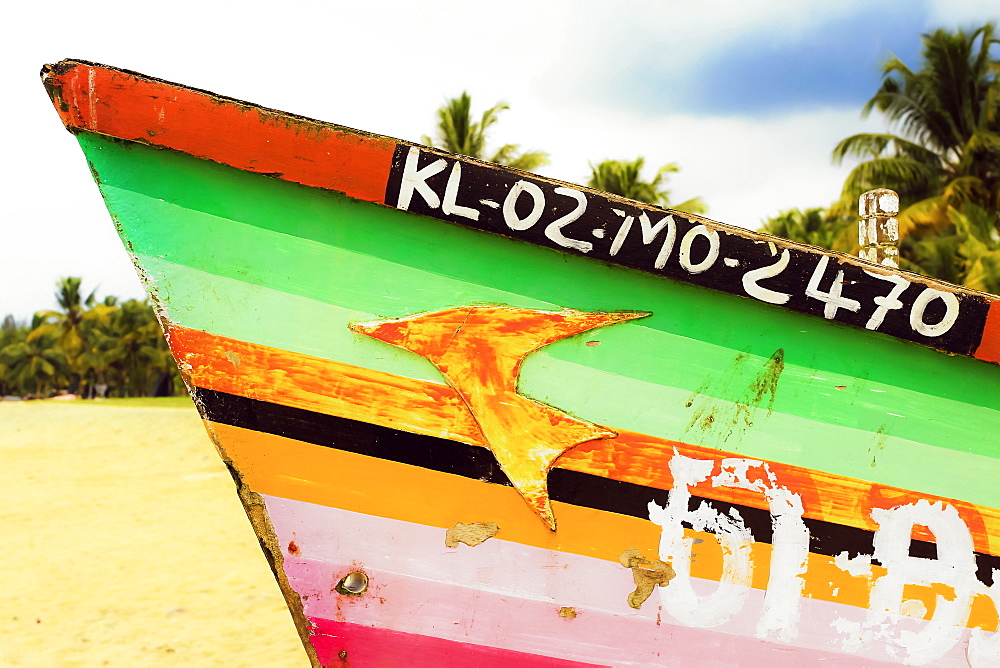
column 479, row 350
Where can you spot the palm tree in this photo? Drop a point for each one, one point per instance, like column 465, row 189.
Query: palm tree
column 815, row 227
column 67, row 325
column 137, row 349
column 33, row 364
column 947, row 149
column 624, row 178
column 458, row 133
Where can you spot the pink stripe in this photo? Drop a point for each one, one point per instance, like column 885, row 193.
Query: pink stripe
column 504, row 594
column 341, row 643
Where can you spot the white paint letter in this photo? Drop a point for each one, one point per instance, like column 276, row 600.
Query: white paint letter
column 448, row 206
column 679, row 598
column 649, row 234
column 554, row 229
column 510, row 214
column 920, row 304
column 955, row 567
column 416, row 180
column 789, row 560
column 751, row 278
column 710, row 257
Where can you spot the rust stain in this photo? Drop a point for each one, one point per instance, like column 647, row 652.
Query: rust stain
column 880, row 438
column 479, row 349
column 471, row 534
column 567, row 612
column 646, row 574
column 727, row 417
column 766, row 384
column 293, row 549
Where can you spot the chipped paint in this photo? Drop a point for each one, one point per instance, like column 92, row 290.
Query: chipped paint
column 646, row 574
column 568, row 612
column 471, row 534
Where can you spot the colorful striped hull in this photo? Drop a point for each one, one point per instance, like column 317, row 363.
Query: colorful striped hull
column 478, row 417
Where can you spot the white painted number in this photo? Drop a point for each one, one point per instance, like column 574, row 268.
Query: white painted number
column 890, row 301
column 832, row 298
column 751, row 278
column 920, row 305
column 554, row 229
column 510, row 214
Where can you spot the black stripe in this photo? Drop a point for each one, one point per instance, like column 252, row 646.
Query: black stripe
column 573, row 487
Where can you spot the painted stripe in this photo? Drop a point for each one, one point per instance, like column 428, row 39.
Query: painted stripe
column 842, row 449
column 673, row 371
column 579, row 488
column 545, row 278
column 315, row 475
column 359, row 645
column 510, row 595
column 321, row 387
column 131, row 106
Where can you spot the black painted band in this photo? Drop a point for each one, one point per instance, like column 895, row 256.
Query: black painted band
column 580, row 489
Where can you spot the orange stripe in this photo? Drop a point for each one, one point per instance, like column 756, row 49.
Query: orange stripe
column 138, row 108
column 421, row 407
column 989, row 347
column 284, row 467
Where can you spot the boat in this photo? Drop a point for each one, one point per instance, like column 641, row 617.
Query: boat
column 480, row 417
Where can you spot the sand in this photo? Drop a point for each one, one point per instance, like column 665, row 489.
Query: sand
column 124, row 544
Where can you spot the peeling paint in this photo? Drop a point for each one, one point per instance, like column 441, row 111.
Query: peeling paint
column 567, row 612
column 646, row 574
column 471, row 534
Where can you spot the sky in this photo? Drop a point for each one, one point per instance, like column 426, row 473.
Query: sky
column 749, row 97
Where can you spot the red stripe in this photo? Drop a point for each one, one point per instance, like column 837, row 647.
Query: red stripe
column 343, row 644
column 131, row 106
column 989, row 347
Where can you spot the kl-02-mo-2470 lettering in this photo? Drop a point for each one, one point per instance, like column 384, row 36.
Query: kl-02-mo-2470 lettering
column 690, row 249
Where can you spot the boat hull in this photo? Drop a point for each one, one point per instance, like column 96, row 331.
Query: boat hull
column 769, row 486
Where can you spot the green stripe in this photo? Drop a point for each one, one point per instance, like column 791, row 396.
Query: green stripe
column 294, row 257
column 230, row 308
column 367, row 284
column 517, row 268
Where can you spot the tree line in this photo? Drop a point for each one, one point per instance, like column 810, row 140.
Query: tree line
column 88, row 348
column 942, row 156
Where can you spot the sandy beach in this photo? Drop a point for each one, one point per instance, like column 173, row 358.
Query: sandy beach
column 124, row 544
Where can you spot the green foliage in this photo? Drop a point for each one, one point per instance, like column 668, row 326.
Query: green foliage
column 458, row 133
column 624, row 177
column 815, row 227
column 95, row 348
column 945, row 151
column 942, row 156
